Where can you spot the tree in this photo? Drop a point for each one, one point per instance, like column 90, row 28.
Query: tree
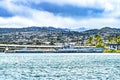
column 52, row 42
column 98, row 41
column 89, row 40
column 110, row 40
column 20, row 43
column 97, row 37
column 118, row 39
column 114, row 40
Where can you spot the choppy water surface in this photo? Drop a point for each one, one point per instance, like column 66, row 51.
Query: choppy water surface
column 59, row 67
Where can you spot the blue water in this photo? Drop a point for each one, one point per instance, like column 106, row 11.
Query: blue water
column 59, row 67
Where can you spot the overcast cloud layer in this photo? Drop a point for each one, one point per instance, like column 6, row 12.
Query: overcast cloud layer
column 60, row 13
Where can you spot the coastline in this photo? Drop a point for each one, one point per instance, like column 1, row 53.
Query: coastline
column 59, row 53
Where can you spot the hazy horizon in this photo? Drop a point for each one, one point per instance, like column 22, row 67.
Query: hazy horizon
column 71, row 14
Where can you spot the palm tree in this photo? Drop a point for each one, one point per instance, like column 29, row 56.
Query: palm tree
column 89, row 40
column 115, row 40
column 98, row 41
column 118, row 39
column 96, row 38
column 111, row 40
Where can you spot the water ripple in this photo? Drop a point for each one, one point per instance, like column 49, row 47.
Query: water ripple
column 60, row 67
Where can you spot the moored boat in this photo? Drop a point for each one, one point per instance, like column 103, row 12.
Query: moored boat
column 65, row 49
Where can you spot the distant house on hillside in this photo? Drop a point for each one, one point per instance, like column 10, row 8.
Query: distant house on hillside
column 114, row 46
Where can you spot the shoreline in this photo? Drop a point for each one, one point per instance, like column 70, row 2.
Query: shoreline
column 61, row 53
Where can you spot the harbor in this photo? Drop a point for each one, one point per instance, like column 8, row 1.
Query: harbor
column 59, row 39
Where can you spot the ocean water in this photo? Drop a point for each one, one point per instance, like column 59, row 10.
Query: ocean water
column 59, row 66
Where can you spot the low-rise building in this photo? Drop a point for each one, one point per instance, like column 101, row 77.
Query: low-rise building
column 114, row 46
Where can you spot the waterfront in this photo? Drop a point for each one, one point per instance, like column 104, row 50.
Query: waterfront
column 60, row 66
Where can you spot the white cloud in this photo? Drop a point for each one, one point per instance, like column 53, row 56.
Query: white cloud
column 25, row 16
column 48, row 19
column 15, row 22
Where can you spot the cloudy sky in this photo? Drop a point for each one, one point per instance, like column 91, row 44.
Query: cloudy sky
column 60, row 13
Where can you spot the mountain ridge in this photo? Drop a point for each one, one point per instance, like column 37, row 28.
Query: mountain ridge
column 105, row 31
